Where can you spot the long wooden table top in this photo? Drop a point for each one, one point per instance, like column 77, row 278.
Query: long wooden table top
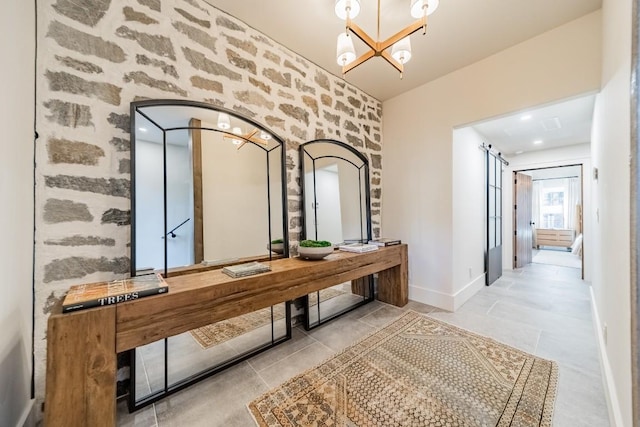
column 82, row 346
column 199, row 299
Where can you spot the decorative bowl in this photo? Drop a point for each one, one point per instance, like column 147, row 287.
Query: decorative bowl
column 314, row 253
column 276, row 247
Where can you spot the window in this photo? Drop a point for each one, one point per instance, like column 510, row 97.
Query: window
column 553, row 198
column 556, row 203
column 552, row 210
column 552, row 221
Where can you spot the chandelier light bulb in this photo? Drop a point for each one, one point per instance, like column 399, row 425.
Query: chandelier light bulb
column 265, row 136
column 401, row 50
column 420, row 8
column 350, row 8
column 236, row 131
column 223, row 121
column 346, row 53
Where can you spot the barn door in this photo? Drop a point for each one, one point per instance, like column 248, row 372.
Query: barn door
column 494, row 217
column 523, row 230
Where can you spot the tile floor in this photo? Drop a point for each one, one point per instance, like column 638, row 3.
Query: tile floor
column 542, row 309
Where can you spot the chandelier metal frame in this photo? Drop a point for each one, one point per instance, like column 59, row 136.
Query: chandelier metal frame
column 379, row 48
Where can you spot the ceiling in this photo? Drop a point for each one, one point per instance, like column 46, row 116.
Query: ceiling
column 557, row 125
column 460, row 32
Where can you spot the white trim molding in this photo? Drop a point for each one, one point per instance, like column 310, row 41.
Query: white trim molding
column 613, row 404
column 27, row 419
column 445, row 301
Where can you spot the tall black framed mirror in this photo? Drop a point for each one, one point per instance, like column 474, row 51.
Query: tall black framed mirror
column 208, row 190
column 337, row 208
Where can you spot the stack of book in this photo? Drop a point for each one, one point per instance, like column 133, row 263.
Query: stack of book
column 247, row 269
column 358, row 247
column 355, row 240
column 145, row 270
column 210, row 262
column 383, row 241
column 100, row 294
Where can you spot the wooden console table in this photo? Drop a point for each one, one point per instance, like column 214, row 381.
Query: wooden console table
column 82, row 346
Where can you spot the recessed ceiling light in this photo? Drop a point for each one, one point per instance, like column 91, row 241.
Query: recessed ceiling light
column 141, row 129
column 525, row 117
column 537, row 142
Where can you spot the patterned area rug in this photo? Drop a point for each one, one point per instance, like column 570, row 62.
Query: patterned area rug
column 219, row 332
column 417, row 371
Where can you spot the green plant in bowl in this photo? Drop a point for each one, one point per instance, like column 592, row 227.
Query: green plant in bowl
column 315, row 244
column 314, row 249
column 276, row 246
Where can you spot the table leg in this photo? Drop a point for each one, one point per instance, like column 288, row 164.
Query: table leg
column 393, row 283
column 81, row 368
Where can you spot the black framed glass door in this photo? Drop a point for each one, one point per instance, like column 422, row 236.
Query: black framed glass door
column 494, row 193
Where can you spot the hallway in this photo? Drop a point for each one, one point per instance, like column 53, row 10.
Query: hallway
column 542, row 309
column 545, row 310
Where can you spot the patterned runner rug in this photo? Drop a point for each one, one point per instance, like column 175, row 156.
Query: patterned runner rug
column 219, row 332
column 417, row 371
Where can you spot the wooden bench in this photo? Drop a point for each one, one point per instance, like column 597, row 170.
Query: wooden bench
column 82, row 346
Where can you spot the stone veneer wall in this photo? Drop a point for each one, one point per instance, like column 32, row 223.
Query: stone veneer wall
column 95, row 57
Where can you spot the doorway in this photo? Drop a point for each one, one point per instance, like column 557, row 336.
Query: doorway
column 548, row 220
column 523, row 219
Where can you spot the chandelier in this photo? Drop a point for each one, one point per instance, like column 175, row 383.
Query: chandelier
column 237, row 137
column 399, row 43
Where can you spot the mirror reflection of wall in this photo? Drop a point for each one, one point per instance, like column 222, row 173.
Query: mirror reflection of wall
column 224, row 187
column 149, row 190
column 324, row 219
column 277, row 198
column 353, row 215
column 235, row 207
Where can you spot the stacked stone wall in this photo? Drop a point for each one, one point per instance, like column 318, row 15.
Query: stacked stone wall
column 97, row 56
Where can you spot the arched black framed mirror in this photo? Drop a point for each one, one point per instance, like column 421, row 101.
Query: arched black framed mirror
column 337, row 208
column 208, row 190
column 208, row 179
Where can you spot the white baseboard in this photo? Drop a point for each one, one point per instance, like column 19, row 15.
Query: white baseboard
column 443, row 300
column 469, row 290
column 27, row 419
column 431, row 297
column 613, row 404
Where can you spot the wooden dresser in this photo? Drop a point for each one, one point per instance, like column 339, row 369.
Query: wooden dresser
column 554, row 237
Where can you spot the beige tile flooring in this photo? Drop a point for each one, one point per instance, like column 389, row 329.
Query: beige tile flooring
column 542, row 309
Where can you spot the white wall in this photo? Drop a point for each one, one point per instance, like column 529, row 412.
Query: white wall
column 579, row 154
column 328, row 197
column 234, row 198
column 17, row 76
column 353, row 220
column 610, row 149
column 150, row 205
column 418, row 127
column 469, row 214
column 278, row 224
